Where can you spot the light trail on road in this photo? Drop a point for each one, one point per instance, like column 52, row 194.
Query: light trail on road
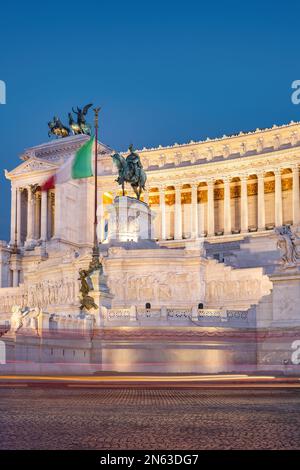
column 155, row 381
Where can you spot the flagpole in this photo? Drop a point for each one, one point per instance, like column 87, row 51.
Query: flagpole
column 95, row 256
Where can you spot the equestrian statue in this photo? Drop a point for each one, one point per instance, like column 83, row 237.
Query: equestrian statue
column 130, row 171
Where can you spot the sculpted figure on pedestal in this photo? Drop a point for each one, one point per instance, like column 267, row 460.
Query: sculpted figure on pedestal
column 289, row 244
column 24, row 318
column 85, row 287
column 16, row 318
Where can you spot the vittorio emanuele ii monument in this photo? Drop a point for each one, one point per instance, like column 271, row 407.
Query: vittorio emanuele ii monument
column 198, row 249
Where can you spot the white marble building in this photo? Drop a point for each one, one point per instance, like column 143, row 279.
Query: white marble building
column 222, row 189
column 229, row 194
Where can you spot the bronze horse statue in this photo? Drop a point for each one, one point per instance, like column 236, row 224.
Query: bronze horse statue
column 57, row 128
column 130, row 171
column 75, row 127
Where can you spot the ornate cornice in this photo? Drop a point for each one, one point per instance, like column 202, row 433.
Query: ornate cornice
column 193, row 334
column 258, row 136
column 210, row 171
column 187, row 167
column 60, row 149
column 29, row 167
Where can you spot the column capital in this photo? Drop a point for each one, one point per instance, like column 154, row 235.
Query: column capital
column 244, row 178
column 33, row 188
column 295, row 168
column 277, row 172
column 178, row 188
column 226, row 179
column 210, row 181
column 161, row 188
column 260, row 173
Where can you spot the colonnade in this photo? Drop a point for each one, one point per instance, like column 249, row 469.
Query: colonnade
column 157, row 193
column 31, row 217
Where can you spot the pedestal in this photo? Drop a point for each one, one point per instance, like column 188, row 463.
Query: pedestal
column 130, row 220
column 101, row 295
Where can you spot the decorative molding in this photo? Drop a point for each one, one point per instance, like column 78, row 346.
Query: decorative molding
column 33, row 164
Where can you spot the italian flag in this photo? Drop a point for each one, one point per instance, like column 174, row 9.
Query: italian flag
column 80, row 166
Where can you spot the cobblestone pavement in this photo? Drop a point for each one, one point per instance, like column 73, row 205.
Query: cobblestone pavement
column 149, row 419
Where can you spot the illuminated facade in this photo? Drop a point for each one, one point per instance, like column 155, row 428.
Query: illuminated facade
column 221, row 189
column 217, row 205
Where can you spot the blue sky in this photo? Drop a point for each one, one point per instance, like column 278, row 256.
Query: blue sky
column 163, row 72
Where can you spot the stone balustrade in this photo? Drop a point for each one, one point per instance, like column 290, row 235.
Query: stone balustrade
column 175, row 314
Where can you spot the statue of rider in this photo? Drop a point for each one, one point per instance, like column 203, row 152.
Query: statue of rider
column 134, row 164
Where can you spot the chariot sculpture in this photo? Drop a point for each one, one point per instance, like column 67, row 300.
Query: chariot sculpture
column 76, row 126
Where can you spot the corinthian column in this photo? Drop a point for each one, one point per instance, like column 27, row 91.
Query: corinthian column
column 194, row 213
column 58, row 201
column 30, row 215
column 210, row 208
column 261, row 211
column 278, row 198
column 178, row 214
column 19, row 193
column 44, row 210
column 296, row 197
column 244, row 204
column 162, row 204
column 13, row 215
column 227, row 209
